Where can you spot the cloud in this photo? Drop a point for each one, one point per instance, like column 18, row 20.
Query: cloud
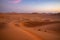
column 15, row 1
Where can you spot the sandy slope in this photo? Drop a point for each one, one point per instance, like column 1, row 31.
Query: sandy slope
column 15, row 33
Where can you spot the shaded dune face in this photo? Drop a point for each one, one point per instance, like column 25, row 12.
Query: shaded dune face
column 51, row 27
column 3, row 25
column 55, row 27
column 36, row 23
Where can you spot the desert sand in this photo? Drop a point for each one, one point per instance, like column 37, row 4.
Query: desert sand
column 29, row 27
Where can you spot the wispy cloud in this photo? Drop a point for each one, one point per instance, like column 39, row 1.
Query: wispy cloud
column 15, row 1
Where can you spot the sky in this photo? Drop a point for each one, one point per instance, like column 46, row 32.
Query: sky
column 27, row 6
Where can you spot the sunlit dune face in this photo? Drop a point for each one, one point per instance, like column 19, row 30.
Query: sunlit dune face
column 14, row 1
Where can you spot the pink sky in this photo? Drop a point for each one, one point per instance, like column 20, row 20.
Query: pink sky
column 15, row 1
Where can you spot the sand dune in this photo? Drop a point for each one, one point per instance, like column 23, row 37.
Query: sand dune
column 17, row 33
column 29, row 27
